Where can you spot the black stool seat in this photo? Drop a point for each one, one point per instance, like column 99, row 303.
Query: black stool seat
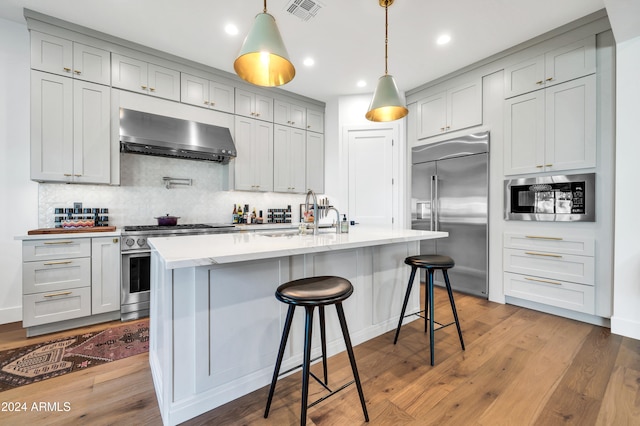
column 433, row 261
column 325, row 290
column 310, row 293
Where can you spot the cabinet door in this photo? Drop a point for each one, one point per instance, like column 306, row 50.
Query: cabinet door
column 298, row 116
column 51, row 127
column 45, row 308
column 263, row 108
column 164, row 82
column 432, row 115
column 263, row 156
column 289, row 159
column 315, row 121
column 51, row 54
column 105, row 275
column 91, row 133
column 244, row 104
column 281, row 113
column 55, row 275
column 524, row 134
column 571, row 61
column 254, row 163
column 570, row 141
column 221, row 97
column 315, row 162
column 91, row 64
column 464, row 106
column 243, row 137
column 194, row 90
column 524, row 77
column 129, row 73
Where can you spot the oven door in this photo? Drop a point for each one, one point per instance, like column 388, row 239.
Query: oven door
column 136, row 277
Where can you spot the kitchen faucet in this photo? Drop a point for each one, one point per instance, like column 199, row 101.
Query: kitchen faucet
column 315, row 210
column 338, row 217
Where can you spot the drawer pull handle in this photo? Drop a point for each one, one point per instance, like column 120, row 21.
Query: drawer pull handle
column 67, row 262
column 543, row 281
column 58, row 242
column 542, row 254
column 62, row 293
column 538, row 237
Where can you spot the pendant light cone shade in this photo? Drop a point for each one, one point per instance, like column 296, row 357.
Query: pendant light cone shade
column 386, row 104
column 263, row 59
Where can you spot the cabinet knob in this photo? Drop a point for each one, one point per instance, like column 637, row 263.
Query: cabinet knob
column 144, row 87
column 539, row 166
column 66, row 69
column 67, row 174
column 115, row 240
column 78, row 72
column 206, row 102
column 152, row 89
column 442, row 129
column 539, row 82
column 257, row 114
column 212, row 103
column 448, row 127
column 548, row 165
column 550, row 79
column 77, row 175
column 253, row 113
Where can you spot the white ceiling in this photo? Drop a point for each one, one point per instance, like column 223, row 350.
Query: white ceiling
column 346, row 38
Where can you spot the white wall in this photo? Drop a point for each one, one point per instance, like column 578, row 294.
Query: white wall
column 18, row 209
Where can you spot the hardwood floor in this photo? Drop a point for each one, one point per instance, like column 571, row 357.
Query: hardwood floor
column 520, row 367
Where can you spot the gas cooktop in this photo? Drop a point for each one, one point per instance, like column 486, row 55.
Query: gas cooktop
column 175, row 228
column 135, row 237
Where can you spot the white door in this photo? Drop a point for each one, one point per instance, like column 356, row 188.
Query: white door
column 370, row 176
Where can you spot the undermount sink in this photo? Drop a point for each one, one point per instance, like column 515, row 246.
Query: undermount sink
column 280, row 233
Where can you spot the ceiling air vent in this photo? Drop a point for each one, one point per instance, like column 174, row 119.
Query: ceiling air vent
column 303, row 9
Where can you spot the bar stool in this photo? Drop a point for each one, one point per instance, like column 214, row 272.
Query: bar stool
column 312, row 292
column 431, row 263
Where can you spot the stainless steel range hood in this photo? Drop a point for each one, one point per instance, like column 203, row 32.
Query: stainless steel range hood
column 151, row 134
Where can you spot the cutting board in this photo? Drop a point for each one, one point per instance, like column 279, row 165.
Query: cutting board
column 46, row 231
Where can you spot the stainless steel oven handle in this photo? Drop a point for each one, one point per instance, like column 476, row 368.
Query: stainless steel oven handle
column 431, row 224
column 435, row 205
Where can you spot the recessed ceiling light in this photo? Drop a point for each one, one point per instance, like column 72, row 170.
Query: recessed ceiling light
column 231, row 29
column 309, row 62
column 443, row 39
column 361, row 83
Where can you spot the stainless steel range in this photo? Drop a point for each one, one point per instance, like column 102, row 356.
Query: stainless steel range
column 136, row 261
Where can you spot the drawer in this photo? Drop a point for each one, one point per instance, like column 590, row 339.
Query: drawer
column 55, row 275
column 576, row 297
column 63, row 248
column 48, row 307
column 562, row 267
column 549, row 243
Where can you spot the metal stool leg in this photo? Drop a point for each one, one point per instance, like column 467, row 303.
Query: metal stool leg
column 406, row 300
column 276, row 370
column 323, row 341
column 453, row 306
column 306, row 363
column 429, row 290
column 352, row 359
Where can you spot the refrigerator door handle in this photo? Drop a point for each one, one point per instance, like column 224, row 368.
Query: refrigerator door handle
column 435, row 205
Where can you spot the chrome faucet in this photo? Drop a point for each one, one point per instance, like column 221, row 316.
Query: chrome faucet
column 338, row 217
column 315, row 210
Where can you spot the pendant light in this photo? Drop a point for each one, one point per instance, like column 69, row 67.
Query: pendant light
column 386, row 104
column 263, row 60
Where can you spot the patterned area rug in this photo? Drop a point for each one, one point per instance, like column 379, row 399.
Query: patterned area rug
column 41, row 361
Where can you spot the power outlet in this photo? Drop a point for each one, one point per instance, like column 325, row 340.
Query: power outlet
column 77, row 206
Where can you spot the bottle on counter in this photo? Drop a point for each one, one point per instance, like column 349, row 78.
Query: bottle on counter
column 240, row 215
column 247, row 216
column 253, row 215
column 344, row 225
column 234, row 216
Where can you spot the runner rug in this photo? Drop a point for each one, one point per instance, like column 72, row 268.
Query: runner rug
column 41, row 361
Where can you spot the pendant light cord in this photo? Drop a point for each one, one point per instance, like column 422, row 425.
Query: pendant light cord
column 265, row 6
column 386, row 37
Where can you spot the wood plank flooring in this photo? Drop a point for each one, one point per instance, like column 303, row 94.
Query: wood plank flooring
column 520, row 367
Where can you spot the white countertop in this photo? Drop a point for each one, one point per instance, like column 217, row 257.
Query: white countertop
column 202, row 250
column 64, row 235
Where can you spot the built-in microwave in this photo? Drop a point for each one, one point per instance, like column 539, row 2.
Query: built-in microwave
column 565, row 198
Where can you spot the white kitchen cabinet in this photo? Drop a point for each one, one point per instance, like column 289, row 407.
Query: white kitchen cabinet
column 289, row 114
column 253, row 105
column 554, row 270
column 552, row 129
column 315, row 162
column 206, row 93
column 289, row 160
column 254, row 161
column 315, row 121
column 554, row 67
column 105, row 274
column 448, row 110
column 144, row 77
column 65, row 57
column 70, row 130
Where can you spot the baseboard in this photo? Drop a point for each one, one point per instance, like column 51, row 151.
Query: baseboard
column 13, row 314
column 553, row 310
column 625, row 327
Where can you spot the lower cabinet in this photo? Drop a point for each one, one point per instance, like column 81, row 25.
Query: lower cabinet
column 552, row 270
column 69, row 279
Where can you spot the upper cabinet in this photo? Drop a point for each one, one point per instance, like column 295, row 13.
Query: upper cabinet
column 65, row 57
column 554, row 67
column 289, row 162
column 253, row 105
column 289, row 114
column 254, row 163
column 551, row 129
column 315, row 162
column 315, row 121
column 143, row 77
column 455, row 108
column 207, row 93
column 70, row 130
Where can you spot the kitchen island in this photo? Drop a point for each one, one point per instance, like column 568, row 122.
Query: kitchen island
column 216, row 325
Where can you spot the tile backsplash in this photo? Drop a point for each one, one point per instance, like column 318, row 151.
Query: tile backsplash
column 142, row 194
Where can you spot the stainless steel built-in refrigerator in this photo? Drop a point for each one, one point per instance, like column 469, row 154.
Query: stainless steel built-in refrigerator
column 449, row 192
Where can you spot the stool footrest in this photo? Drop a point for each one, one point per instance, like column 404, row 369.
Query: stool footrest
column 434, row 321
column 298, row 367
column 317, row 401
